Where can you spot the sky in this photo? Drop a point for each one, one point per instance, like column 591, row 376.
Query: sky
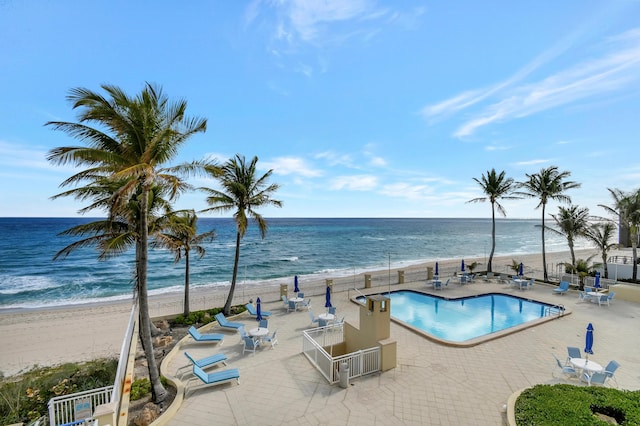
column 361, row 108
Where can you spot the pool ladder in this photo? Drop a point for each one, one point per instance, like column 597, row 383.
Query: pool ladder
column 558, row 309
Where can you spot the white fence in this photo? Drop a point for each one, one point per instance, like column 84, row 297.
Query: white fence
column 77, row 409
column 360, row 363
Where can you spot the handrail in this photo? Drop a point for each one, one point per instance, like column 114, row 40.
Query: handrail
column 357, row 291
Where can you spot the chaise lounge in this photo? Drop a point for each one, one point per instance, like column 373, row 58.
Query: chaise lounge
column 562, row 288
column 205, row 338
column 254, row 313
column 203, row 363
column 225, row 323
column 212, row 379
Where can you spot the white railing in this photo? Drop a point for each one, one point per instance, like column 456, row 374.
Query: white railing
column 360, row 363
column 77, row 409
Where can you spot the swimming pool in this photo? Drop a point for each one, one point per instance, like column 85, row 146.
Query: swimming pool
column 468, row 318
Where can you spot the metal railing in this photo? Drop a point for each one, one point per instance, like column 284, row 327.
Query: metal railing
column 360, row 363
column 77, row 408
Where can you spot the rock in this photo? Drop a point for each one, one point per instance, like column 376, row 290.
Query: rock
column 162, row 341
column 149, row 413
column 163, row 325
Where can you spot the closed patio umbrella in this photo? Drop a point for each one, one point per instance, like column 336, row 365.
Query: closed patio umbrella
column 588, row 347
column 597, row 282
column 462, row 266
column 295, row 284
column 521, row 269
column 327, row 303
column 436, row 273
column 258, row 310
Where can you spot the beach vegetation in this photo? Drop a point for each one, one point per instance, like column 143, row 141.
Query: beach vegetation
column 129, row 141
column 205, row 316
column 572, row 223
column 626, row 208
column 549, row 184
column 577, row 405
column 243, row 191
column 496, row 186
column 24, row 398
column 180, row 236
column 601, row 234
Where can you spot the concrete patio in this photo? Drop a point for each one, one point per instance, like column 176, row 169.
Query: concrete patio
column 431, row 385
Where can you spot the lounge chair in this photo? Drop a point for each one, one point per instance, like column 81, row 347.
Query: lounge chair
column 488, row 276
column 225, row 323
column 212, row 379
column 205, row 338
column 264, row 323
column 602, row 377
column 253, row 312
column 203, row 363
column 271, row 339
column 250, row 344
column 606, row 298
column 562, row 288
column 563, row 369
column 292, row 306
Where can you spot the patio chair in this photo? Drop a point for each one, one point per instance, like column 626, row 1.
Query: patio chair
column 213, row 379
column 301, row 295
column 264, row 323
column 254, row 313
column 463, row 279
column 562, row 288
column 307, row 304
column 332, row 310
column 271, row 339
column 292, row 306
column 503, row 279
column 446, row 283
column 285, row 302
column 488, row 276
column 572, row 352
column 250, row 344
column 243, row 332
column 203, row 363
column 225, row 323
column 314, row 319
column 584, row 294
column 563, row 369
column 471, row 278
column 205, row 338
column 602, row 377
column 606, row 298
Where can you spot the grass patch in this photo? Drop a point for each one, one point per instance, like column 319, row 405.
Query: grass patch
column 24, row 398
column 543, row 405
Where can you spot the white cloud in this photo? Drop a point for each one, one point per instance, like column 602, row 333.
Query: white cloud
column 533, row 162
column 354, row 183
column 291, row 166
column 335, row 159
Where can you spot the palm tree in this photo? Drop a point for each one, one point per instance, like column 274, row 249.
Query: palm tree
column 548, row 184
column 572, row 222
column 133, row 138
column 601, row 235
column 181, row 237
column 496, row 187
column 626, row 207
column 242, row 191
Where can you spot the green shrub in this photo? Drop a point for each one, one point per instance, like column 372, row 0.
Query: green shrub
column 203, row 317
column 25, row 397
column 140, row 388
column 576, row 405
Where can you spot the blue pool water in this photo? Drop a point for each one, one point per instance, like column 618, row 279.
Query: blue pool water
column 459, row 320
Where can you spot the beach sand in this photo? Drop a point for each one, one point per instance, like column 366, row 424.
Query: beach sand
column 52, row 336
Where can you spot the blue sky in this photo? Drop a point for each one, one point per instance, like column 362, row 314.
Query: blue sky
column 361, row 108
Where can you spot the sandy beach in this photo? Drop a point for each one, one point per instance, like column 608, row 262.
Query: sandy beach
column 79, row 333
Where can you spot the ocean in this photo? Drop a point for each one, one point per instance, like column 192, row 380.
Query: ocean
column 309, row 248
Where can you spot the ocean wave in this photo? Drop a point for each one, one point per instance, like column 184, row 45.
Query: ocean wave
column 289, row 259
column 26, row 284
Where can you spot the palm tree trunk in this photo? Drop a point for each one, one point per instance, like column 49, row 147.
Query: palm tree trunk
column 158, row 391
column 493, row 236
column 544, row 254
column 604, row 262
column 634, row 245
column 186, row 284
column 573, row 254
column 227, row 306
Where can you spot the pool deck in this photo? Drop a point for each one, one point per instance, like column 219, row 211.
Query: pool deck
column 432, row 384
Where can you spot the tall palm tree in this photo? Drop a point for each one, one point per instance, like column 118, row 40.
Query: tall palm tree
column 181, row 237
column 571, row 222
column 133, row 138
column 601, row 234
column 243, row 191
column 548, row 184
column 626, row 207
column 495, row 187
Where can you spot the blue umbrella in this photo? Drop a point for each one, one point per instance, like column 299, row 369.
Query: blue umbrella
column 589, row 341
column 597, row 283
column 437, row 268
column 462, row 266
column 258, row 310
column 327, row 303
column 295, row 284
column 521, row 269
